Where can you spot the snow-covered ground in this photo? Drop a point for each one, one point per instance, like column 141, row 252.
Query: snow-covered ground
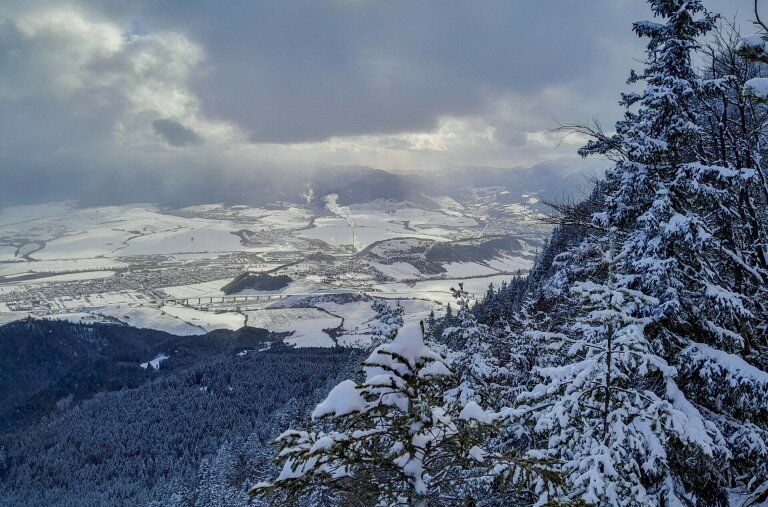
column 23, row 267
column 121, row 231
column 151, row 318
column 467, row 269
column 305, row 324
column 206, row 320
column 357, row 315
column 155, row 363
column 397, row 270
column 438, row 290
column 385, row 220
column 337, row 232
column 194, row 290
column 64, row 277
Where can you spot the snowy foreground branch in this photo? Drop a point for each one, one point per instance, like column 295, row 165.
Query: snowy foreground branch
column 394, row 439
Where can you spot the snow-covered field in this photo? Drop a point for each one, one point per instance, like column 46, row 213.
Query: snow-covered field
column 150, row 317
column 196, row 290
column 337, row 232
column 438, row 290
column 384, row 220
column 206, row 320
column 397, row 270
column 305, row 324
column 11, row 269
column 357, row 315
column 131, row 230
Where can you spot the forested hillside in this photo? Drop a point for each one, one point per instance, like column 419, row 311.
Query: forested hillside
column 107, row 426
column 631, row 366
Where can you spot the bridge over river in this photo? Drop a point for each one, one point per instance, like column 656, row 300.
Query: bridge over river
column 242, row 298
column 254, row 298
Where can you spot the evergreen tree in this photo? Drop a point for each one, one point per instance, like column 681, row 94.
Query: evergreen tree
column 628, row 406
column 448, row 317
column 475, row 361
column 395, row 440
column 431, row 323
column 388, row 319
column 596, row 409
column 634, row 355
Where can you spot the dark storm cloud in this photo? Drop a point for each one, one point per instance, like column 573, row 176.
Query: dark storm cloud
column 308, row 70
column 175, row 133
column 109, row 84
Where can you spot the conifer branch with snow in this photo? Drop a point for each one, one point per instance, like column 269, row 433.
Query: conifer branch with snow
column 394, row 439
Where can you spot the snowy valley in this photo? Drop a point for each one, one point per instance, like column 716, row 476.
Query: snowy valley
column 166, row 269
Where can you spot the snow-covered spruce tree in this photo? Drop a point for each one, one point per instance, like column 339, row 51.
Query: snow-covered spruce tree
column 652, row 400
column 465, row 324
column 596, row 410
column 490, row 304
column 394, row 439
column 749, row 76
column 431, row 324
column 501, row 305
column 388, row 319
column 734, row 136
column 476, row 352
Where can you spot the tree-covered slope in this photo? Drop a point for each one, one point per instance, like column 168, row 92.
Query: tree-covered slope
column 133, row 436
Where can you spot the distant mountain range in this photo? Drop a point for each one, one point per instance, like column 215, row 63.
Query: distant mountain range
column 553, row 179
column 352, row 184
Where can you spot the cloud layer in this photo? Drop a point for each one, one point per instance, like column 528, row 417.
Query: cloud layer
column 246, row 85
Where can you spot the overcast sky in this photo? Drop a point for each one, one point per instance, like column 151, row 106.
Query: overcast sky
column 394, row 84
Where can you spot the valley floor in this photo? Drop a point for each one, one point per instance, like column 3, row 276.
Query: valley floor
column 166, row 269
